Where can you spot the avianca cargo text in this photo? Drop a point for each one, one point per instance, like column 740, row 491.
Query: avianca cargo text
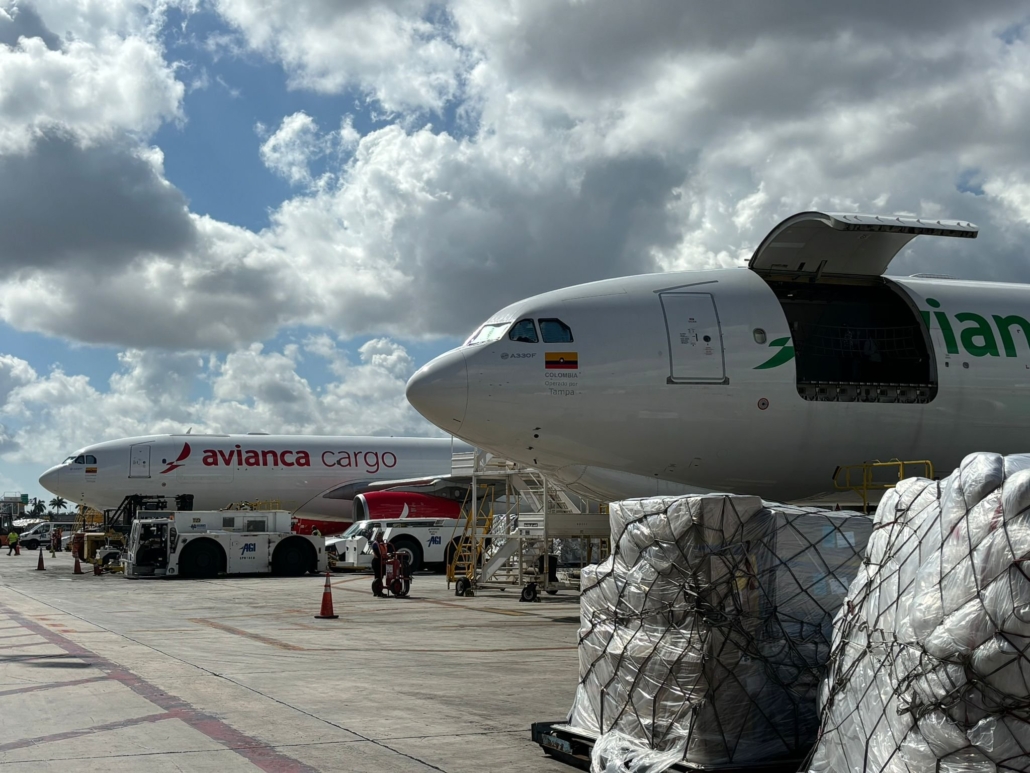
column 372, row 461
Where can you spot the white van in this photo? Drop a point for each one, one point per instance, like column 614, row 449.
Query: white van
column 40, row 534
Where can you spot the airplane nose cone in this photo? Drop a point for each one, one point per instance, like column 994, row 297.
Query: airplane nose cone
column 51, row 480
column 440, row 390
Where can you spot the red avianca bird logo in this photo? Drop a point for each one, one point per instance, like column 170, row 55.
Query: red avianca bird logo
column 183, row 454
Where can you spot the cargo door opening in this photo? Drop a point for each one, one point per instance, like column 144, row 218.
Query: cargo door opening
column 857, row 341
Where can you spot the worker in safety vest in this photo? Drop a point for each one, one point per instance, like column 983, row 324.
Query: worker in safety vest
column 12, row 543
column 380, row 552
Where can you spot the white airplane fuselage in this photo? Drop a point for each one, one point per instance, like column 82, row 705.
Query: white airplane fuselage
column 310, row 475
column 689, row 381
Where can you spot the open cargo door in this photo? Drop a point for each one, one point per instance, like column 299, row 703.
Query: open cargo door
column 816, row 244
column 856, row 336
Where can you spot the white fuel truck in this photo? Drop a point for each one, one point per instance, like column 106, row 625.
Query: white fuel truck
column 221, row 542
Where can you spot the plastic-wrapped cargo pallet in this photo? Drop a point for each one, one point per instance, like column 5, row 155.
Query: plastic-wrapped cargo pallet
column 704, row 637
column 930, row 668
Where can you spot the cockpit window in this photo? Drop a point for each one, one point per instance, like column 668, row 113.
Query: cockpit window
column 554, row 331
column 523, row 331
column 90, row 459
column 488, row 333
column 80, row 459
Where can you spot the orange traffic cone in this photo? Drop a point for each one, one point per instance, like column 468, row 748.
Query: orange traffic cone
column 327, row 602
column 39, row 564
column 78, row 569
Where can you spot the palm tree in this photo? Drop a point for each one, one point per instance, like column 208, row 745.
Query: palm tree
column 58, row 504
column 38, row 508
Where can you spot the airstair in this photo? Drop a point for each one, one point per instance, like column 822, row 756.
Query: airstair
column 477, row 524
column 523, row 521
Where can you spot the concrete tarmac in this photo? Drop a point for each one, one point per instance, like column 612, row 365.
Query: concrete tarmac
column 235, row 674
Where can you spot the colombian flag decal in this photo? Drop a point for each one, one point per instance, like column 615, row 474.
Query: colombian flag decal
column 561, row 361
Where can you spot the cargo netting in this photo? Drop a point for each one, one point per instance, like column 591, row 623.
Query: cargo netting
column 930, row 670
column 705, row 635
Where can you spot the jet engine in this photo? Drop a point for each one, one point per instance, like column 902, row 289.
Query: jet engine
column 377, row 505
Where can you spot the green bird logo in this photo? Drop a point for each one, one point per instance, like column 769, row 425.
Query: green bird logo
column 785, row 354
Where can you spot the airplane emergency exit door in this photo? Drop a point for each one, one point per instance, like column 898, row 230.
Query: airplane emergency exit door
column 139, row 461
column 695, row 339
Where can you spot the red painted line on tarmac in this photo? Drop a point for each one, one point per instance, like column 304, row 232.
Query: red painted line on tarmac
column 365, row 577
column 248, row 635
column 257, row 752
column 51, row 686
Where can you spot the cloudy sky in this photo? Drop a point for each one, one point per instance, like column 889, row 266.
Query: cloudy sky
column 263, row 215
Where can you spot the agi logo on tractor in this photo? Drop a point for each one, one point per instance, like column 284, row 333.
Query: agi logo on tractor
column 248, row 547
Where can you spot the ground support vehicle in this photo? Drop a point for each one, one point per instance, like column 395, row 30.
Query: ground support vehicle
column 427, row 543
column 99, row 537
column 42, row 533
column 221, row 542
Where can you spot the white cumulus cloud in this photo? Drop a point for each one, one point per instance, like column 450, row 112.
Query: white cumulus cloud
column 44, row 417
column 290, row 149
column 395, row 52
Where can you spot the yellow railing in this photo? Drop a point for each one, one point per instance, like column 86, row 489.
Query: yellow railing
column 477, row 522
column 878, row 476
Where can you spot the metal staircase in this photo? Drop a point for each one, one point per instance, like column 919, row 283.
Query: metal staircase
column 508, row 544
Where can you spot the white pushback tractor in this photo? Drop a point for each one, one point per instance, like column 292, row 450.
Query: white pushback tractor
column 220, row 542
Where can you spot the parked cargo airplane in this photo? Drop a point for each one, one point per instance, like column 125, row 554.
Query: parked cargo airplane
column 315, row 477
column 760, row 379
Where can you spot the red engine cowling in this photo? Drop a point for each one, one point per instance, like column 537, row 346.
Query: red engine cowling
column 377, row 505
column 302, row 525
